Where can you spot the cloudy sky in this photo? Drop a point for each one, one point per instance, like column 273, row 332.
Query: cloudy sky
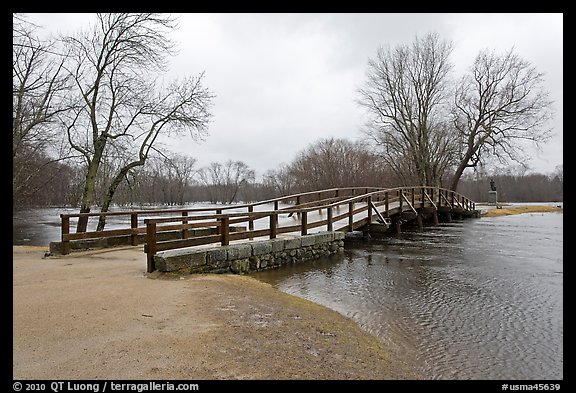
column 285, row 80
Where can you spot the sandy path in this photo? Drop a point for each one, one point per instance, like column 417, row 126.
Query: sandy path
column 96, row 315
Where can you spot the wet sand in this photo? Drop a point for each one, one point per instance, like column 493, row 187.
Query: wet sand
column 98, row 315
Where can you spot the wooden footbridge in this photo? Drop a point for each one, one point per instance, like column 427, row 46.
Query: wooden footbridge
column 366, row 209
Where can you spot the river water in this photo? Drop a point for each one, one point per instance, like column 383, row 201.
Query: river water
column 472, row 299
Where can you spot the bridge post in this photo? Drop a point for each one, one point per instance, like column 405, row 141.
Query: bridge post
column 351, row 216
column 370, row 210
column 386, row 204
column 304, row 223
column 134, row 227
column 401, row 199
column 398, row 227
column 276, row 208
column 273, row 222
column 251, row 221
column 329, row 219
column 218, row 228
column 151, row 246
column 65, row 230
column 413, row 195
column 297, row 203
column 422, row 197
column 439, row 197
column 435, row 217
column 184, row 232
column 225, row 230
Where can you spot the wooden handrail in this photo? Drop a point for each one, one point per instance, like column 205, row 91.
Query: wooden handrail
column 223, row 220
column 330, row 200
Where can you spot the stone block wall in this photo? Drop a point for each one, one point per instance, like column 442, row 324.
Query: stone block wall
column 250, row 256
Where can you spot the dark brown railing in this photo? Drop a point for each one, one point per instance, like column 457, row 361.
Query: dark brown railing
column 393, row 201
column 138, row 226
column 345, row 209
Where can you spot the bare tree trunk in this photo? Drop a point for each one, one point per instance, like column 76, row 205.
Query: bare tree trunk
column 457, row 175
column 87, row 195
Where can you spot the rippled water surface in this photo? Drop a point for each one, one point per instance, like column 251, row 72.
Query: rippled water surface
column 472, row 299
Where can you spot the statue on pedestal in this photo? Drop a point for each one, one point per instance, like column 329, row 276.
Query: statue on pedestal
column 492, row 194
column 492, row 186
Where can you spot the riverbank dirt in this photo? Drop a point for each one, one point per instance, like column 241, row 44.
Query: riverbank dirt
column 97, row 315
column 507, row 211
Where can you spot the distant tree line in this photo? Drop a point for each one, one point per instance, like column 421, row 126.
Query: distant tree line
column 328, row 163
column 515, row 185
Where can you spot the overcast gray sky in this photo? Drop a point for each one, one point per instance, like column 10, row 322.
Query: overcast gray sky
column 285, row 80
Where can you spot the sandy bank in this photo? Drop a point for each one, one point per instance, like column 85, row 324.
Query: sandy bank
column 96, row 315
column 506, row 211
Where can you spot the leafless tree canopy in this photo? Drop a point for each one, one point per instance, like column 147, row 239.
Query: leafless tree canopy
column 279, row 181
column 224, row 181
column 38, row 85
column 426, row 138
column 329, row 163
column 121, row 109
column 406, row 96
column 500, row 102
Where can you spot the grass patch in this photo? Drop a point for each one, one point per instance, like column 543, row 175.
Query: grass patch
column 520, row 210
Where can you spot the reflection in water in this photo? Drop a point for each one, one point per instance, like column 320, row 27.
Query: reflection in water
column 476, row 299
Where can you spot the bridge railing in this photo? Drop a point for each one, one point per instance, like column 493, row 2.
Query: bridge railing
column 340, row 213
column 137, row 227
column 340, row 206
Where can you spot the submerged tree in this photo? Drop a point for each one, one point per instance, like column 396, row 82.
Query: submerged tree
column 122, row 108
column 406, row 97
column 498, row 104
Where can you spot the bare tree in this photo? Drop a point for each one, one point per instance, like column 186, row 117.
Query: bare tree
column 224, row 181
column 39, row 84
column 180, row 174
column 334, row 162
column 406, row 97
column 498, row 104
column 279, row 180
column 238, row 175
column 212, row 178
column 121, row 106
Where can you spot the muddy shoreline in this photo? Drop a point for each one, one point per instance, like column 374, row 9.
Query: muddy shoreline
column 97, row 315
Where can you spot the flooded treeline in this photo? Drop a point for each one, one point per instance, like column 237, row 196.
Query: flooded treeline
column 178, row 179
